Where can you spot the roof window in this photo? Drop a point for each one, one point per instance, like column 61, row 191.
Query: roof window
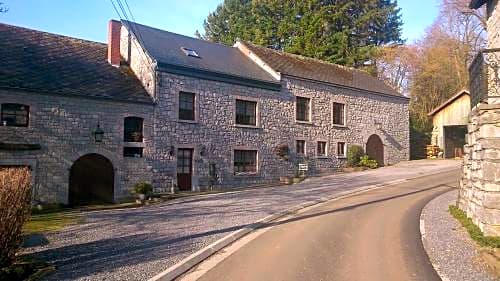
column 190, row 52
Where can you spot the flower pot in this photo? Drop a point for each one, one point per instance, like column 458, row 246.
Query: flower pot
column 286, row 180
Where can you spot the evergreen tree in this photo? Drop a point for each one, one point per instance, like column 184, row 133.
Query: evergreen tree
column 346, row 32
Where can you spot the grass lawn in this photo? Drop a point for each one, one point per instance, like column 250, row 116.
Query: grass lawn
column 51, row 222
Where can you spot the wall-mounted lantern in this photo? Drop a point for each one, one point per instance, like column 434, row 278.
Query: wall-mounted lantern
column 171, row 151
column 378, row 125
column 203, row 151
column 98, row 134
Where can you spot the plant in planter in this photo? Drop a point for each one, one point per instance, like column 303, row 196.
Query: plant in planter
column 283, row 151
column 143, row 190
column 365, row 161
column 136, row 136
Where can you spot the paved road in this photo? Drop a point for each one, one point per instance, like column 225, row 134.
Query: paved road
column 370, row 236
column 136, row 244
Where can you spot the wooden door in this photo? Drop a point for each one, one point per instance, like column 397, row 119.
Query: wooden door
column 184, row 168
column 375, row 149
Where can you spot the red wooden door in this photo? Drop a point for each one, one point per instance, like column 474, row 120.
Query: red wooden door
column 184, row 168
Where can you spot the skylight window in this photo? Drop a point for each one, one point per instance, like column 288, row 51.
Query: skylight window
column 190, row 52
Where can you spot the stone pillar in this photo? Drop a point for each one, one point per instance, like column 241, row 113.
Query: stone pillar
column 479, row 194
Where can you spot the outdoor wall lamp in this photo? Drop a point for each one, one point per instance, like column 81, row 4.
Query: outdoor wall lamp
column 98, row 134
column 171, row 151
column 378, row 125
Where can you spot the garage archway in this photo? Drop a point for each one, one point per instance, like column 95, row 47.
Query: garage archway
column 91, row 180
column 375, row 149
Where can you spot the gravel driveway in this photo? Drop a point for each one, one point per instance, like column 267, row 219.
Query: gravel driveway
column 136, row 244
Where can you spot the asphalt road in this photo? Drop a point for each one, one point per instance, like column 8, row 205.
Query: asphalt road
column 370, row 236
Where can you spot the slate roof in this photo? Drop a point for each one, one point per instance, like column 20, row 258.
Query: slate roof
column 222, row 61
column 48, row 63
column 449, row 101
column 314, row 69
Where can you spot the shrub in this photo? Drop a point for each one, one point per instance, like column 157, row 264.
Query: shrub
column 474, row 231
column 143, row 188
column 354, row 153
column 15, row 206
column 365, row 161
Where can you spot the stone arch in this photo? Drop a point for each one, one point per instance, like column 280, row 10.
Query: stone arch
column 91, row 180
column 375, row 149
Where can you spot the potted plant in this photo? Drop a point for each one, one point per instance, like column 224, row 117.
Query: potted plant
column 143, row 190
column 136, row 136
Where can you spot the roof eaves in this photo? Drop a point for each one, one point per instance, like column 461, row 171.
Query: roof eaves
column 348, row 87
column 448, row 101
column 218, row 76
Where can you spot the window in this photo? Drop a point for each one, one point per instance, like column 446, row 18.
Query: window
column 321, row 148
column 246, row 112
column 132, row 152
column 303, row 106
column 341, row 149
column 132, row 129
column 245, row 161
column 186, row 106
column 190, row 52
column 15, row 115
column 300, row 146
column 338, row 113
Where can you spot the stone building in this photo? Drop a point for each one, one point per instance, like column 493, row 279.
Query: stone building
column 479, row 193
column 207, row 115
column 450, row 124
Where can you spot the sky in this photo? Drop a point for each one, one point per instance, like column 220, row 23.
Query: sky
column 87, row 19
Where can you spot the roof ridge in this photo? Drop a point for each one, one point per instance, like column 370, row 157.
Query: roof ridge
column 10, row 26
column 348, row 68
column 177, row 34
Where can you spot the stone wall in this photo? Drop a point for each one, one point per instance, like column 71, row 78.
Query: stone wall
column 479, row 194
column 215, row 132
column 64, row 126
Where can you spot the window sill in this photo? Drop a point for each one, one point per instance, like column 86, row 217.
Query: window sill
column 304, row 122
column 133, row 144
column 187, row 121
column 322, row 157
column 247, row 126
column 341, row 157
column 339, row 126
column 242, row 175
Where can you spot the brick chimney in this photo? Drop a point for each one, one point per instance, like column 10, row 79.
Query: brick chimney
column 114, row 29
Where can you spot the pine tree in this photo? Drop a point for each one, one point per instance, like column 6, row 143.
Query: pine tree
column 346, row 32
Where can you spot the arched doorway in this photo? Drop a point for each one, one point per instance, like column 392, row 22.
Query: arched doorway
column 375, row 149
column 91, row 180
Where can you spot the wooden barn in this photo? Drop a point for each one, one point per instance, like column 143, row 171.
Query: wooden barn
column 450, row 124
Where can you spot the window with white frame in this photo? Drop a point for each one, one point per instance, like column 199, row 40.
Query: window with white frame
column 303, row 109
column 300, row 146
column 321, row 148
column 246, row 112
column 338, row 113
column 341, row 149
column 15, row 115
column 245, row 161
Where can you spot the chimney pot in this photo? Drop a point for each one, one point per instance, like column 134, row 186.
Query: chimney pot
column 114, row 29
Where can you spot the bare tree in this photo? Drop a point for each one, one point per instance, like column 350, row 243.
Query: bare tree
column 3, row 8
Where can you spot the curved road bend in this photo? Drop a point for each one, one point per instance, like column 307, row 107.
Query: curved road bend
column 370, row 236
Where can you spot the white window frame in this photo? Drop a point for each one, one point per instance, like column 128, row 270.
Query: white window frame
column 326, row 148
column 196, row 107
column 345, row 114
column 305, row 146
column 310, row 110
column 345, row 150
column 257, row 111
column 257, row 163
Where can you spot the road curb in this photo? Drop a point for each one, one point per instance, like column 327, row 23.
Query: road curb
column 186, row 264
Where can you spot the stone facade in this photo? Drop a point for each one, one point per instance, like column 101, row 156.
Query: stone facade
column 63, row 126
column 479, row 193
column 214, row 131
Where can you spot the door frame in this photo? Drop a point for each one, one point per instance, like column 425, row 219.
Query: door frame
column 383, row 148
column 193, row 166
